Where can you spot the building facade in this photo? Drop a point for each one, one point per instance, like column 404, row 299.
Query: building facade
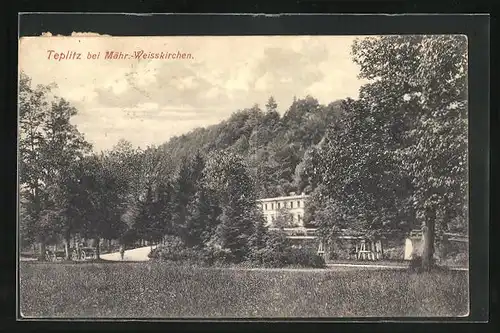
column 292, row 205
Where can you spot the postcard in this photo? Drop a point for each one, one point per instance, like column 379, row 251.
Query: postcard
column 276, row 176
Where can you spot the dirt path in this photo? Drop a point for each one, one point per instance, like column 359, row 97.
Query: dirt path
column 138, row 254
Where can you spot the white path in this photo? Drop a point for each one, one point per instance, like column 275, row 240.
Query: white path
column 138, row 254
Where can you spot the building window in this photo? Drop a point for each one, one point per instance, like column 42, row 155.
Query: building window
column 272, row 206
column 299, row 218
column 298, row 203
column 266, row 206
column 291, row 204
column 279, row 205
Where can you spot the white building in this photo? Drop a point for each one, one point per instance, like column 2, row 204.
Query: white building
column 293, row 204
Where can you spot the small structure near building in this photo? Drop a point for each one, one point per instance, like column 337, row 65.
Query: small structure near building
column 353, row 247
column 413, row 244
column 367, row 249
column 360, row 247
column 349, row 245
column 415, row 240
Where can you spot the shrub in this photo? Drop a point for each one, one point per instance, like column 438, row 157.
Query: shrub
column 213, row 255
column 188, row 255
column 174, row 250
column 415, row 263
column 268, row 258
column 394, row 253
column 155, row 252
column 171, row 245
column 303, row 257
column 279, row 252
column 453, row 253
column 276, row 240
column 456, row 259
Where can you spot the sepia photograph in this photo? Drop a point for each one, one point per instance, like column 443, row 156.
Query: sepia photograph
column 264, row 176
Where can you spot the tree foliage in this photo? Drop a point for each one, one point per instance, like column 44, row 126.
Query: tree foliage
column 397, row 157
column 229, row 180
column 49, row 146
column 271, row 145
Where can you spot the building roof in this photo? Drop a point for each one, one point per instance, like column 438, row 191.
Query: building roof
column 291, row 197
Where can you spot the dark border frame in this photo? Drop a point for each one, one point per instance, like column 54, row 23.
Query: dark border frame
column 476, row 27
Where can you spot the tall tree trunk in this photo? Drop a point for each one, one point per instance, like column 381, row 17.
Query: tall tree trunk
column 445, row 244
column 41, row 256
column 39, row 232
column 429, row 235
column 97, row 248
column 67, row 245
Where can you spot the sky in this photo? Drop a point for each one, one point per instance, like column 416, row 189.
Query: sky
column 147, row 101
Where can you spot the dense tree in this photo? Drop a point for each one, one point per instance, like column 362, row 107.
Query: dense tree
column 395, row 157
column 284, row 219
column 48, row 146
column 200, row 221
column 143, row 226
column 272, row 146
column 186, row 184
column 229, row 180
column 201, row 210
column 271, row 105
column 67, row 215
column 359, row 172
column 163, row 208
column 146, row 176
column 101, row 199
column 33, row 105
column 420, row 83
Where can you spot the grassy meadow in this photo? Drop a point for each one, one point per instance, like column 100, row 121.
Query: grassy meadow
column 158, row 290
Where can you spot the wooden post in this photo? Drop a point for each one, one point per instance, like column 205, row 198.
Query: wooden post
column 428, row 232
column 327, row 251
column 381, row 250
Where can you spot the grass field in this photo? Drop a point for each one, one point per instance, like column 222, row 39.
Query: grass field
column 156, row 290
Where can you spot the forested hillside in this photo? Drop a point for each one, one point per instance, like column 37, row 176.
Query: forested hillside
column 272, row 143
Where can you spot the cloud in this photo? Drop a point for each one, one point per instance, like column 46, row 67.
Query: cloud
column 284, row 72
column 165, row 84
column 149, row 101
